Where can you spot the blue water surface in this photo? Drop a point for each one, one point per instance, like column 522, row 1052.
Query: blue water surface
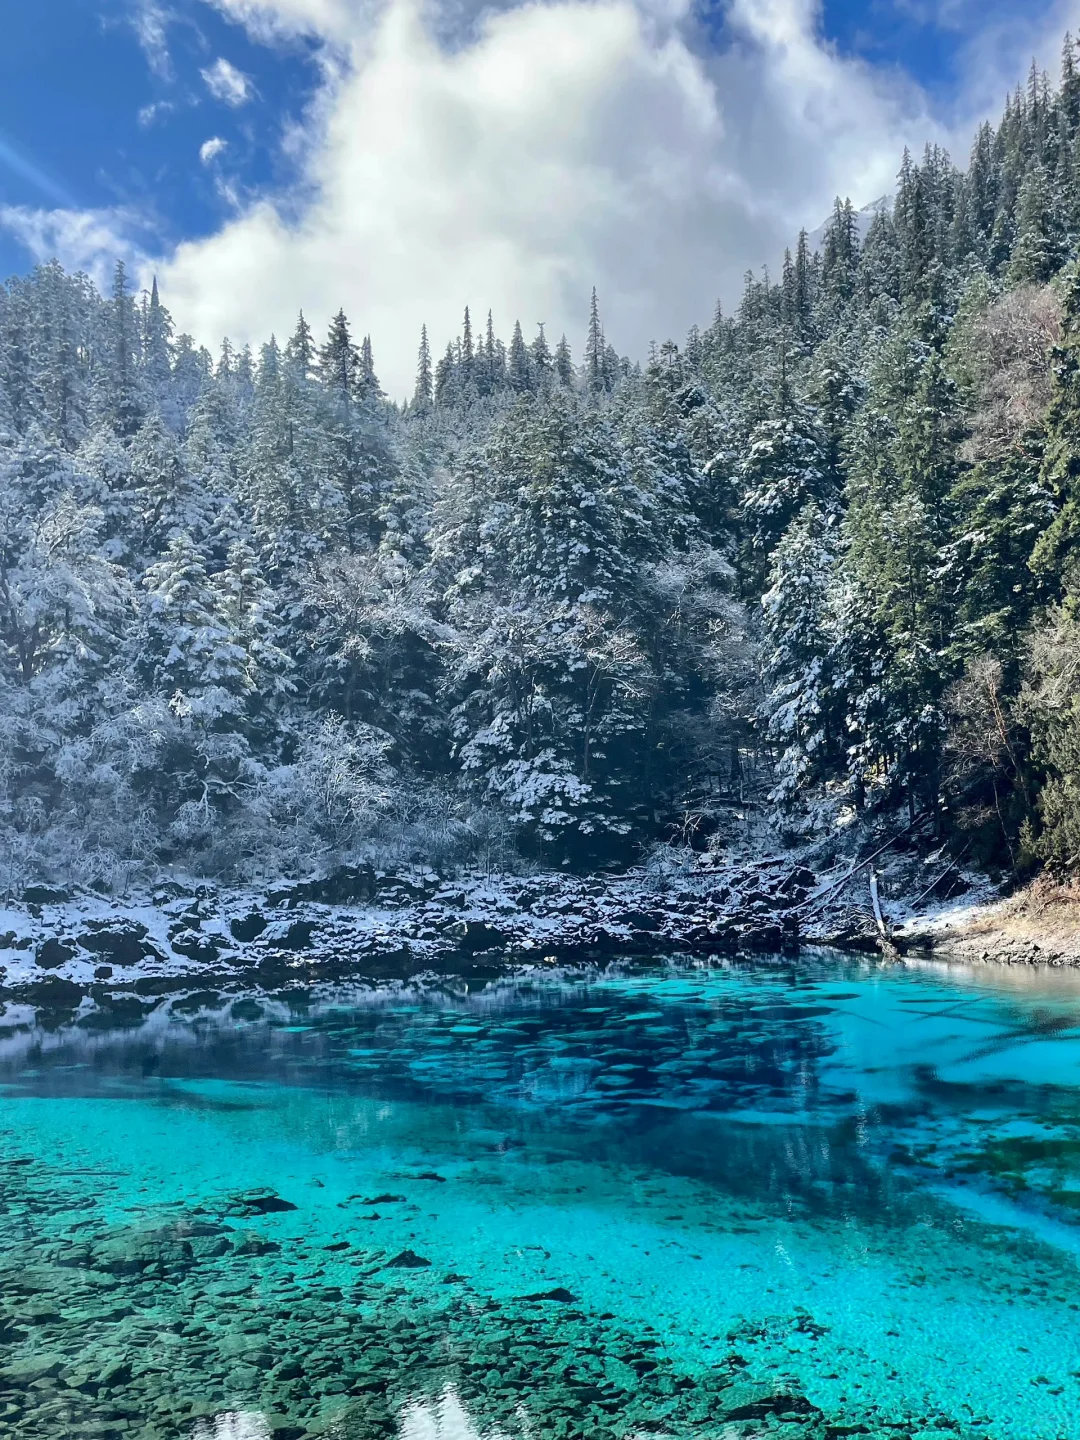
column 859, row 1182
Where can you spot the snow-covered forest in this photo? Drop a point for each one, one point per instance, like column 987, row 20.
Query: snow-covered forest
column 821, row 556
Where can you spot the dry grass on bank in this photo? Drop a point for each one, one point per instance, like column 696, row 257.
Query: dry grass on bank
column 1038, row 925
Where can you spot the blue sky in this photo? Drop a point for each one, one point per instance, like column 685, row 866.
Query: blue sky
column 929, row 39
column 94, row 113
column 176, row 131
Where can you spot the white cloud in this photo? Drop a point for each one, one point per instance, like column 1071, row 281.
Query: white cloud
column 267, row 20
column 149, row 114
column 226, row 83
column 88, row 240
column 558, row 145
column 151, row 24
column 210, row 149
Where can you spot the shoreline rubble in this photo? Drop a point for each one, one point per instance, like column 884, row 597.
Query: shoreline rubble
column 356, row 922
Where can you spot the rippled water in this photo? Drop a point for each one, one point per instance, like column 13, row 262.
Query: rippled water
column 773, row 1198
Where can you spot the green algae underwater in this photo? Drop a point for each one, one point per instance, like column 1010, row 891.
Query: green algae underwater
column 781, row 1199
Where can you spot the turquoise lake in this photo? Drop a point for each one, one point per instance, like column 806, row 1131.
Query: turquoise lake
column 801, row 1199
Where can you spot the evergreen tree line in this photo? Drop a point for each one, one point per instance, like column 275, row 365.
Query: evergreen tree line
column 822, row 555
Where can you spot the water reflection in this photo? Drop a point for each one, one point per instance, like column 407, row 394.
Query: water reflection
column 445, row 1419
column 233, row 1425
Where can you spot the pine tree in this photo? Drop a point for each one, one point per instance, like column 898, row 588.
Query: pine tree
column 367, row 382
column 59, row 334
column 915, row 231
column 787, row 291
column 248, row 662
column 188, row 377
column 494, row 375
column 339, row 362
column 1040, row 243
column 161, row 487
column 1070, row 87
column 541, row 362
column 467, row 356
column 270, row 364
column 519, row 364
column 800, row 711
column 803, row 298
column 841, row 252
column 300, row 355
column 446, row 377
column 879, row 278
column 982, row 189
column 157, row 329
column 226, row 362
column 16, row 383
column 244, row 377
column 183, row 629
column 594, row 349
column 121, row 401
column 423, row 393
column 784, row 468
column 550, row 535
column 902, row 473
column 564, row 364
column 612, row 368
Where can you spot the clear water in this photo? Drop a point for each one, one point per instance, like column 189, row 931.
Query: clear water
column 805, row 1199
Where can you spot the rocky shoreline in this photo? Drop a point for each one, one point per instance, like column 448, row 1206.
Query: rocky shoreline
column 357, row 922
column 59, row 947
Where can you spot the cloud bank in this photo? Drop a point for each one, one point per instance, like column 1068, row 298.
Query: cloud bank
column 557, row 146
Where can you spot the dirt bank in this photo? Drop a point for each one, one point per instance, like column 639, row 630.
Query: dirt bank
column 1039, row 925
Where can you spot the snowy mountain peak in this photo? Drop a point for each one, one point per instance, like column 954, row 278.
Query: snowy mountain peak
column 865, row 217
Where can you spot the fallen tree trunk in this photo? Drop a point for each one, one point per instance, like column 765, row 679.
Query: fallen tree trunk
column 811, row 904
column 885, row 940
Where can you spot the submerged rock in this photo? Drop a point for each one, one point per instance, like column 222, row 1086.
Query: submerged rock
column 407, row 1260
column 19, row 1374
column 747, row 1401
column 252, row 1244
column 247, row 1203
column 174, row 1345
column 131, row 1252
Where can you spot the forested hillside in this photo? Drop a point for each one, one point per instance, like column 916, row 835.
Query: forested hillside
column 823, row 555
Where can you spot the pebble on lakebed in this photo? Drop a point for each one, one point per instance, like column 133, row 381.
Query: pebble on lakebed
column 146, row 1332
